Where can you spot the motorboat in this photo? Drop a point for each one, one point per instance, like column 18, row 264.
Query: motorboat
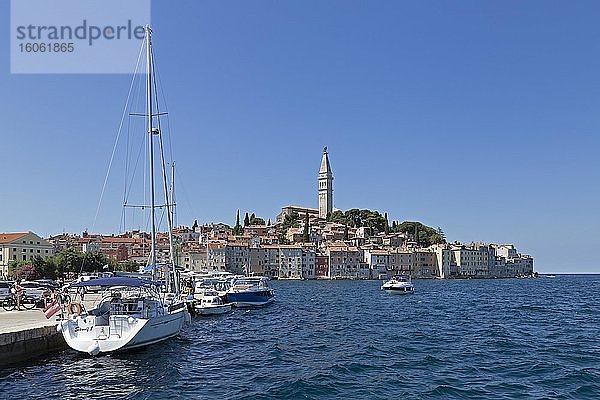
column 399, row 285
column 132, row 312
column 211, row 304
column 253, row 291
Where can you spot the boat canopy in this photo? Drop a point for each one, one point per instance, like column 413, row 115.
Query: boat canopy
column 117, row 281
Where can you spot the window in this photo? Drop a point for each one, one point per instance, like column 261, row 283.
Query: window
column 24, row 257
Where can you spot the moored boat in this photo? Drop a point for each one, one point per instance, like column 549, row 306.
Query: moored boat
column 131, row 313
column 251, row 291
column 211, row 304
column 134, row 312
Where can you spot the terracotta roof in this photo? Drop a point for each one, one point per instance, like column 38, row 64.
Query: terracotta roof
column 11, row 237
column 379, row 252
column 110, row 239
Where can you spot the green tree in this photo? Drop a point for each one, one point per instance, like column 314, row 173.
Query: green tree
column 246, row 220
column 254, row 220
column 337, row 216
column 291, row 220
column 441, row 234
column 195, row 225
column 305, row 233
column 423, row 235
column 358, row 218
column 237, row 229
column 44, row 268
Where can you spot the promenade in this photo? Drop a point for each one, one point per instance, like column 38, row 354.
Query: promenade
column 15, row 321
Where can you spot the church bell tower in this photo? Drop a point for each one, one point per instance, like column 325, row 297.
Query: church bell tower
column 325, row 186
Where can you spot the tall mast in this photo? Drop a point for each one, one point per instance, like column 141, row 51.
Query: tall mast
column 169, row 215
column 173, row 193
column 207, row 251
column 150, row 147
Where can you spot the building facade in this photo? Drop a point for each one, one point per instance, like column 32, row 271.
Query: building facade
column 21, row 246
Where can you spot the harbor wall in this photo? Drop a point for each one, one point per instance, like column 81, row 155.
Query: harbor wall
column 29, row 343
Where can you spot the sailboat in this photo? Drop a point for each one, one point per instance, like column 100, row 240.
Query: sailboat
column 132, row 312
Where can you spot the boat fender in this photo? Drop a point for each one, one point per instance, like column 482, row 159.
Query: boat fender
column 74, row 309
column 130, row 320
column 94, row 349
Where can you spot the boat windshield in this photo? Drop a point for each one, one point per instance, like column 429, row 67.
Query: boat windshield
column 251, row 281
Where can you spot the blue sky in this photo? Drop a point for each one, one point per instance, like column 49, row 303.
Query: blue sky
column 479, row 117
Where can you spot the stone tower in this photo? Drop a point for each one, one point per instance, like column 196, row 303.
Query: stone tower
column 325, row 187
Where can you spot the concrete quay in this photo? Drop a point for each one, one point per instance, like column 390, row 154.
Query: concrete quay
column 27, row 334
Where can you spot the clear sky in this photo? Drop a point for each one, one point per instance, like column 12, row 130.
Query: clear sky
column 481, row 117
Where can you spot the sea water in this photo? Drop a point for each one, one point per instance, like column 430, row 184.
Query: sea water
column 480, row 339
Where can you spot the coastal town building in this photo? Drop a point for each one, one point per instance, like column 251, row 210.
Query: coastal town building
column 197, row 260
column 321, row 266
column 290, row 262
column 309, row 254
column 21, row 246
column 343, row 261
column 237, row 257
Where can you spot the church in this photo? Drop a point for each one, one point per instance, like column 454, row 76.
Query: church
column 324, row 193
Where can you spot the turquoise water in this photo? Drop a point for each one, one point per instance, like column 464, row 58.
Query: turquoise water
column 480, row 339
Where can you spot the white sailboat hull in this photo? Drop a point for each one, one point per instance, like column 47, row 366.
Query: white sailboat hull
column 122, row 332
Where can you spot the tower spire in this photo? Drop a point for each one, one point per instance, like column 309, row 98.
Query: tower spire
column 325, row 182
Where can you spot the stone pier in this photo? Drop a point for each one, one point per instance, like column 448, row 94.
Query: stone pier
column 27, row 334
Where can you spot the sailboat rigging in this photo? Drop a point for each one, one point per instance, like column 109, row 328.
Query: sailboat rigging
column 134, row 312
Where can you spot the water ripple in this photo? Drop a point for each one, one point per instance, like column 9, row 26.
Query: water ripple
column 504, row 339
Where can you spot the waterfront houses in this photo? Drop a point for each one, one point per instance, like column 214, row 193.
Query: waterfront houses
column 334, row 252
column 21, row 246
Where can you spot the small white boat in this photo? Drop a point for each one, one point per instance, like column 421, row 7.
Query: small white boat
column 399, row 285
column 211, row 304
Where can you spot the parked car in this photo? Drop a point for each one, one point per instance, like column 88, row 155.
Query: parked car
column 5, row 289
column 49, row 283
column 35, row 290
